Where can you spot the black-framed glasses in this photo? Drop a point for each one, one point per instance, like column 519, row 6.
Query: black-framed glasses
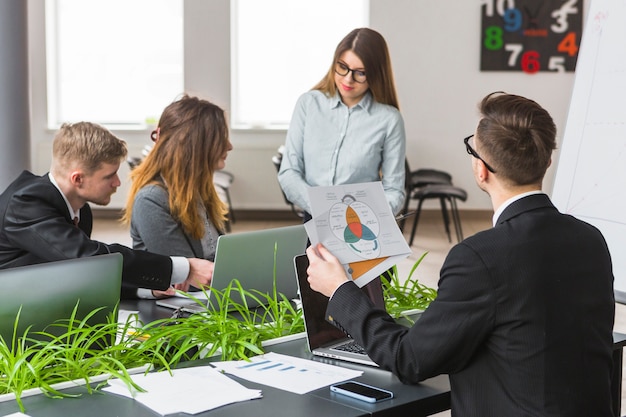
column 343, row 70
column 473, row 152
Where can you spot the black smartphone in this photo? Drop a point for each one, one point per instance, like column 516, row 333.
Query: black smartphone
column 361, row 391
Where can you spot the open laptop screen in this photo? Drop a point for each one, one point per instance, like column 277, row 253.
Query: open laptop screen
column 48, row 292
column 319, row 331
column 258, row 257
column 255, row 258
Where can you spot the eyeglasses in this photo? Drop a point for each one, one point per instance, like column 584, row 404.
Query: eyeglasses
column 472, row 152
column 343, row 70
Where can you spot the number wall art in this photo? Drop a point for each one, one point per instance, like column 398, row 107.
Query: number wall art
column 530, row 35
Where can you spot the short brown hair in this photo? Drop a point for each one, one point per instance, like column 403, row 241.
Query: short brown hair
column 371, row 48
column 88, row 145
column 516, row 137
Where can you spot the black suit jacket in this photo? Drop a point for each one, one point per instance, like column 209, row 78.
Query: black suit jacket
column 36, row 228
column 522, row 322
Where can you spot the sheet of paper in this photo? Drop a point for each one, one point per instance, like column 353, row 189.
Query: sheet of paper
column 287, row 372
column 187, row 390
column 355, row 223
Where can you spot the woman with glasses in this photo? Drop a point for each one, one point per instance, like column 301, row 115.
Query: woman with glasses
column 173, row 208
column 348, row 128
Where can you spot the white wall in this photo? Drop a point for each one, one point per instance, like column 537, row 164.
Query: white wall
column 435, row 50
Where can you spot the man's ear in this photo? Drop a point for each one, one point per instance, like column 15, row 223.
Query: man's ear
column 479, row 170
column 76, row 178
column 484, row 171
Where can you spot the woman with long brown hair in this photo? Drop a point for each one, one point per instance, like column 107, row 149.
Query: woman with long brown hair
column 348, row 129
column 173, row 208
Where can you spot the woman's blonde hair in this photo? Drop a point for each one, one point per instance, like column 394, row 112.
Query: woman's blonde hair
column 192, row 137
column 371, row 48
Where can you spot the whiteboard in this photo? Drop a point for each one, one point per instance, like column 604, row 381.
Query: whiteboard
column 590, row 179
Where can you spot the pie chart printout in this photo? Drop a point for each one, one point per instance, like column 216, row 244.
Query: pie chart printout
column 356, row 224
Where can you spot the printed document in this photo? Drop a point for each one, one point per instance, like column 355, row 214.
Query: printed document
column 288, row 373
column 355, row 223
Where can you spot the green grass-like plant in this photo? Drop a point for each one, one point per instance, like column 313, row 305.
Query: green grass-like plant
column 405, row 295
column 72, row 349
column 228, row 328
column 68, row 350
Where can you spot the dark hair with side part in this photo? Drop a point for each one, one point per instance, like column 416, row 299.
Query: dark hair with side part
column 193, row 136
column 517, row 137
column 371, row 48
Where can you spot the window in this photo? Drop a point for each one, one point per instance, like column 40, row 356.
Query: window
column 113, row 62
column 282, row 48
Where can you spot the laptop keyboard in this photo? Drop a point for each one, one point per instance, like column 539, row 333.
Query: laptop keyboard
column 352, row 347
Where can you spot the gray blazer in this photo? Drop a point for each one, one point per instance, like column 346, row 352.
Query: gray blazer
column 153, row 228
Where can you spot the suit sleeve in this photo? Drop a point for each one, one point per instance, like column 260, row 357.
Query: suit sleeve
column 36, row 223
column 444, row 338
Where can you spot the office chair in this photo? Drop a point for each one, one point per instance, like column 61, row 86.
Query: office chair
column 276, row 160
column 442, row 192
column 427, row 183
column 222, row 181
column 419, row 178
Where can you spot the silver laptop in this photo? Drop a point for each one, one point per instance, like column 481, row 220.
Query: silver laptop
column 249, row 258
column 48, row 292
column 323, row 338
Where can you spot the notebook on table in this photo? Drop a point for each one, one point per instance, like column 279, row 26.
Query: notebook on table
column 249, row 258
column 48, row 292
column 323, row 338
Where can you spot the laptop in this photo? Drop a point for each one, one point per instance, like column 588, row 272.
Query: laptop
column 48, row 292
column 323, row 338
column 249, row 258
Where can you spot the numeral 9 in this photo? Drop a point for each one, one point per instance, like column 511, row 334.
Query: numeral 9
column 512, row 20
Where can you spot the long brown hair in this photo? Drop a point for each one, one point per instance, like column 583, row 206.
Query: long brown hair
column 371, row 48
column 193, row 136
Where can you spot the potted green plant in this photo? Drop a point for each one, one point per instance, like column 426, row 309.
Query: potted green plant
column 71, row 352
column 406, row 299
column 228, row 329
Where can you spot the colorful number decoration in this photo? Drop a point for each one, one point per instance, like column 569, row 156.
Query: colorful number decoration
column 530, row 35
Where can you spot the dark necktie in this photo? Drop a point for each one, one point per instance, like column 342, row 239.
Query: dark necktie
column 75, row 221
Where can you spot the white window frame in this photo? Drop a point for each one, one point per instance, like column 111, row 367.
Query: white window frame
column 149, row 76
column 289, row 45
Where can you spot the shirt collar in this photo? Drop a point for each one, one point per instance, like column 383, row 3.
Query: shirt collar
column 365, row 103
column 69, row 207
column 510, row 201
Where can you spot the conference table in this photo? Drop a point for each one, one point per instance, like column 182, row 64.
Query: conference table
column 424, row 399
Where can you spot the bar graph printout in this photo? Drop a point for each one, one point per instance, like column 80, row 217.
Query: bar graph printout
column 287, row 372
column 591, row 172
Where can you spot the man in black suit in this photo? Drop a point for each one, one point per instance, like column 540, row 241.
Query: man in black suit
column 48, row 218
column 523, row 319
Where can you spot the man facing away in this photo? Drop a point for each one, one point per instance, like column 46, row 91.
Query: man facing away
column 47, row 218
column 523, row 319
